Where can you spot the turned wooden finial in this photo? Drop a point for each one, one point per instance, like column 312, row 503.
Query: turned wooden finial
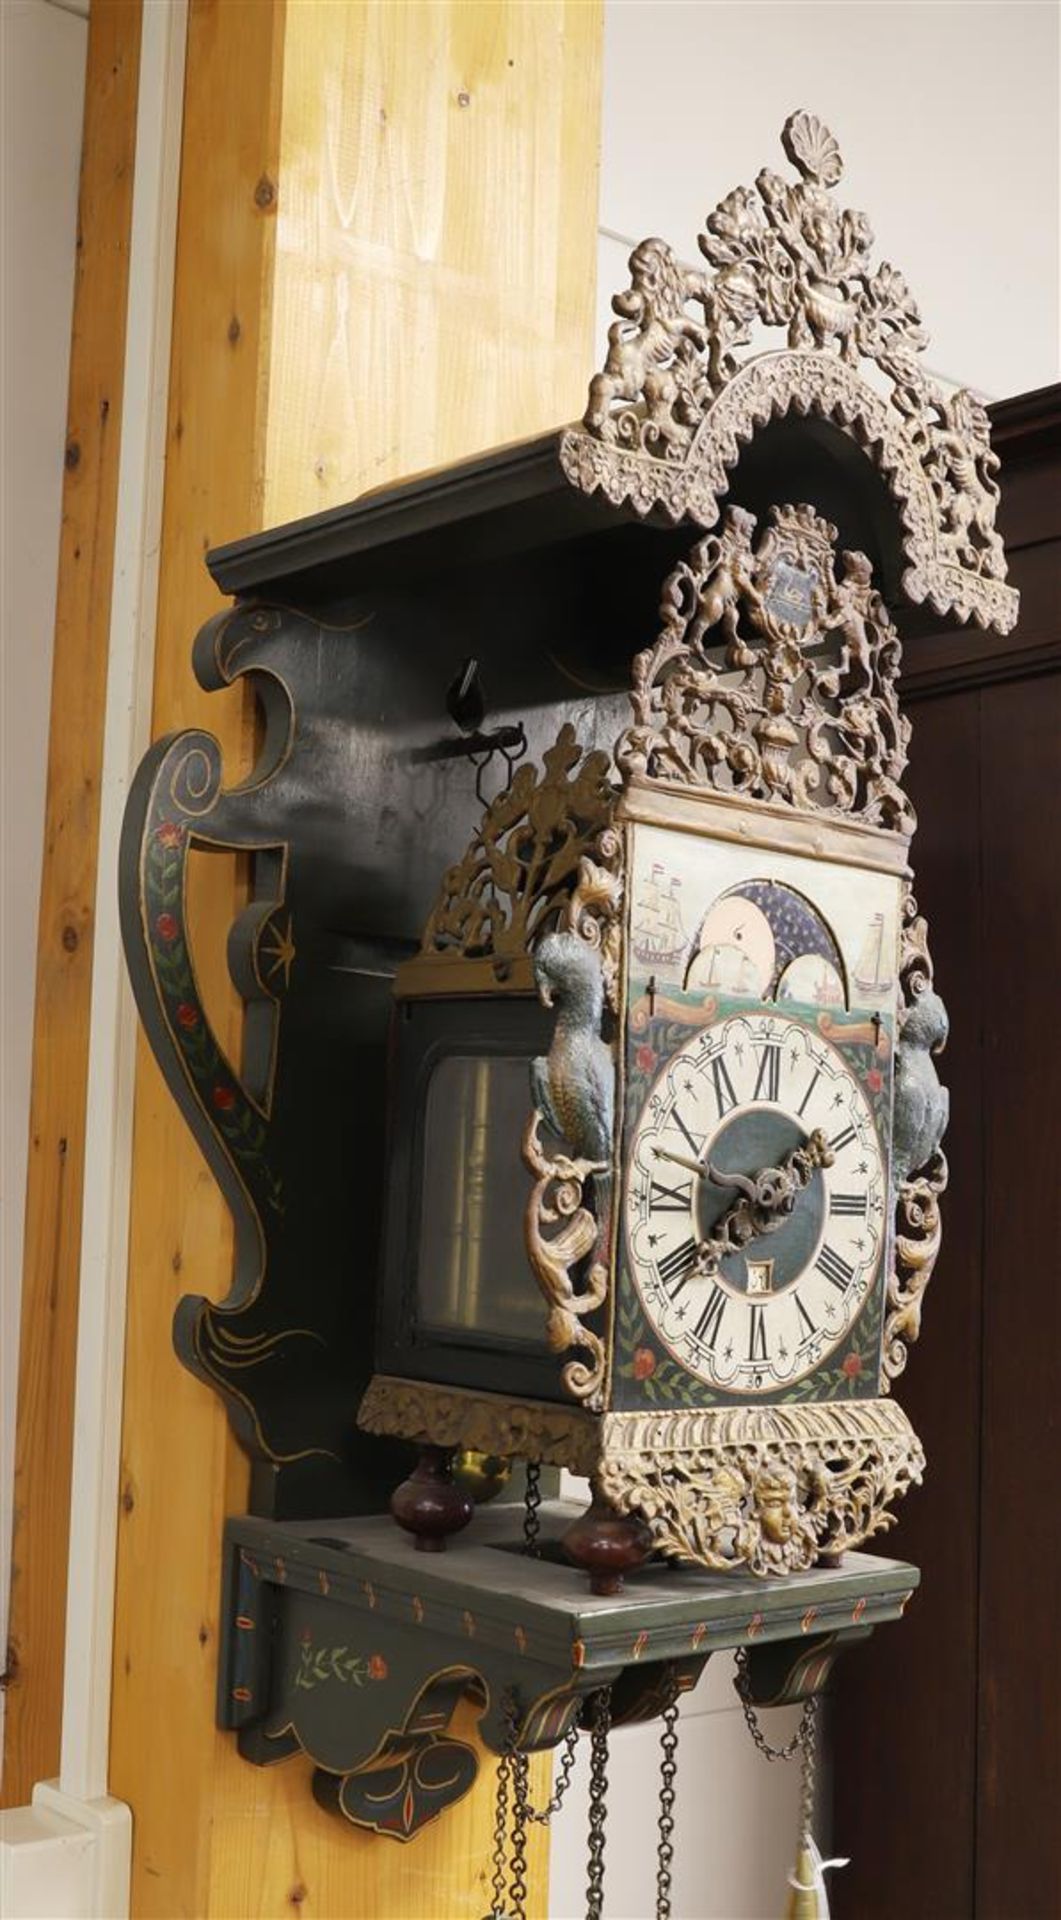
column 607, row 1545
column 430, row 1504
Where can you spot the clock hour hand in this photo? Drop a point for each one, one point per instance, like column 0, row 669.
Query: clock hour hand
column 767, row 1198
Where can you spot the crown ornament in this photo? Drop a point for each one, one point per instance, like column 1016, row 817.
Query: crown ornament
column 677, row 397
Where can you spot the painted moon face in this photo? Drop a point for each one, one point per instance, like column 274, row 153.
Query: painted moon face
column 736, row 949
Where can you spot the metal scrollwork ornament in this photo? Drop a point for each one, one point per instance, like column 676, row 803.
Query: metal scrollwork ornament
column 676, row 399
column 735, row 695
column 543, row 855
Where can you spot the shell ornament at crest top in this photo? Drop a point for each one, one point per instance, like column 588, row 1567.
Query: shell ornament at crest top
column 675, row 399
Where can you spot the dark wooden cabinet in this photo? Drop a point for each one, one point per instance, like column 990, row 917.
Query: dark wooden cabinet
column 947, row 1747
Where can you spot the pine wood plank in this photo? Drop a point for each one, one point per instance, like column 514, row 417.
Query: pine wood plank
column 68, row 887
column 435, row 286
column 253, row 363
column 181, row 1471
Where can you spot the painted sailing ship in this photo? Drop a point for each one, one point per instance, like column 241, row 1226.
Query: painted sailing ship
column 658, row 936
column 873, row 972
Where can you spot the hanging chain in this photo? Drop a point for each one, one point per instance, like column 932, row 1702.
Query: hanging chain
column 667, row 1774
column 532, row 1500
column 543, row 1815
column 517, row 1881
column 497, row 1905
column 598, row 1789
column 514, row 1769
column 803, row 1738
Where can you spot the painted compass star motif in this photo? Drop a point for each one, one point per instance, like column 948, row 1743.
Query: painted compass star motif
column 282, row 954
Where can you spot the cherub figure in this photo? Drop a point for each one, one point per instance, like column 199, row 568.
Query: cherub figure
column 652, row 349
column 850, row 611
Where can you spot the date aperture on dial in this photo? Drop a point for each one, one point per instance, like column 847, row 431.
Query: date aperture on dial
column 767, row 1101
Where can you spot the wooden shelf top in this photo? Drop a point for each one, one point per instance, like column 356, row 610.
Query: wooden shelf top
column 484, row 1588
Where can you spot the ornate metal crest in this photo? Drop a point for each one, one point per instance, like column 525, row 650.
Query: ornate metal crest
column 545, row 855
column 773, row 678
column 674, row 400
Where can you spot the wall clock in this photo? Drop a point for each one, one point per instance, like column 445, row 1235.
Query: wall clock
column 659, row 1197
column 734, row 1143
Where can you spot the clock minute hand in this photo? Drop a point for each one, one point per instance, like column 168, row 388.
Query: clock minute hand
column 768, row 1197
column 680, row 1160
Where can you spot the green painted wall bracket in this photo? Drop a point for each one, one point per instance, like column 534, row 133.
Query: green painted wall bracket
column 342, row 1641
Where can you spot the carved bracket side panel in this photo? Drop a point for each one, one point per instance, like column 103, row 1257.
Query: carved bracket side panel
column 285, row 1347
column 370, row 1699
column 412, row 1778
column 169, row 813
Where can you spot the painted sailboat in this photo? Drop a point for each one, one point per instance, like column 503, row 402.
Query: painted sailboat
column 658, row 936
column 873, row 972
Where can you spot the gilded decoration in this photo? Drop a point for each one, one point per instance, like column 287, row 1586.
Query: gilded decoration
column 918, row 1227
column 767, row 1488
column 770, row 1488
column 675, row 399
column 560, row 1436
column 560, row 1234
column 544, row 857
column 774, row 675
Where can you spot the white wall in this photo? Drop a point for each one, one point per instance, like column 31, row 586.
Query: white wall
column 735, row 1816
column 947, row 118
column 42, row 57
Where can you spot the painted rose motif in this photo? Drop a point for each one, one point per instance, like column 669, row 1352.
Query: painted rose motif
column 169, row 834
column 223, row 1098
column 644, row 1363
column 851, row 1366
column 166, row 927
column 187, row 1016
column 377, row 1667
column 645, row 1058
column 874, row 1080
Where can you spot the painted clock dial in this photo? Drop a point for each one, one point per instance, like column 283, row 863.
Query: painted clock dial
column 737, row 1098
